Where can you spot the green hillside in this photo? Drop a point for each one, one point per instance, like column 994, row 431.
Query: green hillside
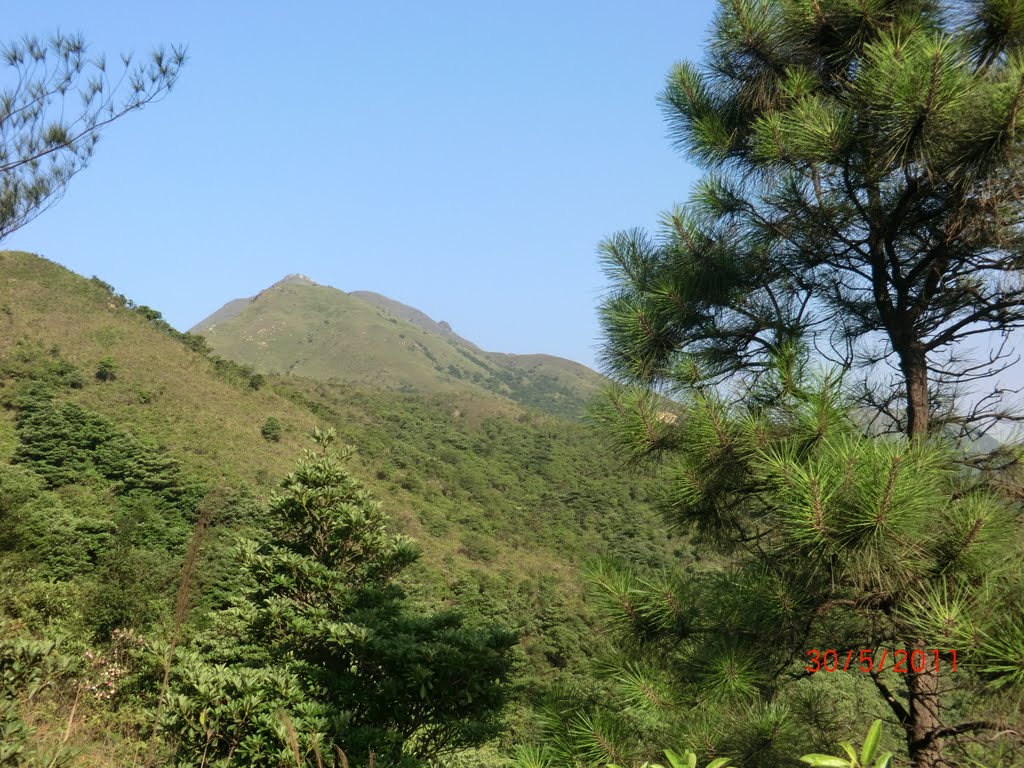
column 414, row 316
column 115, row 428
column 299, row 328
column 163, row 389
column 583, row 382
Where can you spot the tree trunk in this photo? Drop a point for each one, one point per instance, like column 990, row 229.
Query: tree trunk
column 923, row 689
column 914, row 365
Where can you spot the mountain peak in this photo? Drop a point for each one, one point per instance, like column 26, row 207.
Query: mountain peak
column 294, row 279
column 368, row 339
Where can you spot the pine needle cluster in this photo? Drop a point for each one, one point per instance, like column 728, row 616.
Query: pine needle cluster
column 863, row 195
column 816, row 536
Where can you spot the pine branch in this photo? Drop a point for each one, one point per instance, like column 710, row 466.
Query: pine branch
column 902, row 715
column 955, row 730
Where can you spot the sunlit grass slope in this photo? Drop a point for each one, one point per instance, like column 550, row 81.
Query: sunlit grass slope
column 506, row 501
column 162, row 391
column 299, row 328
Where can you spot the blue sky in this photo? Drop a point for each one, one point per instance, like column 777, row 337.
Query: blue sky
column 462, row 157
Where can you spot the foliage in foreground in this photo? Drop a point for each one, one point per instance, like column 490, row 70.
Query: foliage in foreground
column 826, row 538
column 324, row 651
column 862, row 198
column 867, row 757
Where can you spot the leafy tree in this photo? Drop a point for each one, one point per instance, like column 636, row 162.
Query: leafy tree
column 863, row 194
column 378, row 676
column 107, row 369
column 52, row 116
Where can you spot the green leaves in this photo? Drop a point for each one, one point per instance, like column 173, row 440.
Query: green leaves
column 825, row 761
column 677, row 761
column 843, row 141
column 698, row 122
column 27, row 666
column 810, row 129
column 857, row 495
column 916, row 90
column 816, row 527
column 944, row 611
column 867, row 753
column 1001, row 655
column 729, row 672
column 336, row 633
column 685, row 760
column 217, row 711
column 637, row 420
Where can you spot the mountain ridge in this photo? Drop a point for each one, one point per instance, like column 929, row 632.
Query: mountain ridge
column 299, row 327
column 505, row 501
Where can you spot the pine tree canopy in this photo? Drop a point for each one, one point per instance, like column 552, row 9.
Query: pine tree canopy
column 817, row 535
column 860, row 205
column 55, row 101
column 862, row 194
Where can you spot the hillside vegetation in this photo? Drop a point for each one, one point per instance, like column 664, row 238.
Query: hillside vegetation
column 118, row 432
column 299, row 328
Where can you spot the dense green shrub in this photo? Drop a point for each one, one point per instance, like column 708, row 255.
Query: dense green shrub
column 88, row 503
column 324, row 611
column 27, row 666
column 271, row 430
column 64, row 443
column 255, row 717
column 30, row 361
column 106, row 370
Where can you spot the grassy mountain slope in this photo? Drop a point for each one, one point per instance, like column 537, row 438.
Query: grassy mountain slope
column 163, row 391
column 414, row 316
column 571, row 376
column 506, row 502
column 299, row 328
column 321, row 332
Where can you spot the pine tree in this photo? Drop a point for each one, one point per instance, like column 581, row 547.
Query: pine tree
column 862, row 193
column 377, row 675
column 818, row 537
column 862, row 199
column 54, row 113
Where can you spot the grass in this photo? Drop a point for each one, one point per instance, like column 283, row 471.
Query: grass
column 506, row 501
column 365, row 339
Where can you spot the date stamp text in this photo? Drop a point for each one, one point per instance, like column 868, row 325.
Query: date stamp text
column 900, row 660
